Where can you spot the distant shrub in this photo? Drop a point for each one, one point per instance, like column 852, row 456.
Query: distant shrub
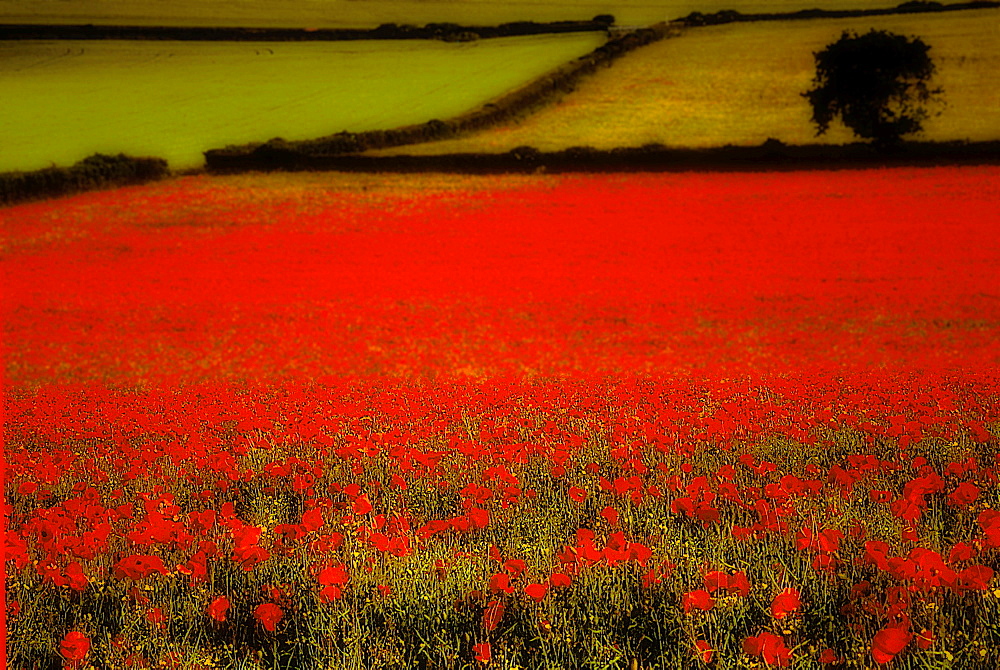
column 876, row 83
column 91, row 173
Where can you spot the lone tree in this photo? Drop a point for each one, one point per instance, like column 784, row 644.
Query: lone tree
column 876, row 83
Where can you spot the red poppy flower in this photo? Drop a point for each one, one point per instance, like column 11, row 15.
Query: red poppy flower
column 156, row 617
column 716, row 580
column 362, row 505
column 888, row 642
column 138, row 567
column 785, row 603
column 610, row 515
column 482, row 651
column 330, row 593
column 334, row 574
column 739, row 584
column 770, row 647
column 965, row 494
column 74, row 646
column 218, row 607
column 961, row 552
column 704, row 651
column 500, row 582
column 249, row 557
column 268, row 614
column 536, row 591
column 313, row 519
column 559, row 579
column 493, row 614
column 515, row 566
column 699, row 599
column 829, row 657
column 976, row 577
column 576, row 494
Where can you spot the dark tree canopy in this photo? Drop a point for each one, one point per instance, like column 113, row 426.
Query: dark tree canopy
column 877, row 83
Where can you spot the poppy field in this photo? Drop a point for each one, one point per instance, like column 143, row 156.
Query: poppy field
column 689, row 420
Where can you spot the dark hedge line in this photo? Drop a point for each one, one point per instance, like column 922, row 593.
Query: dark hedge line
column 912, row 7
column 450, row 32
column 516, row 103
column 94, row 172
column 772, row 155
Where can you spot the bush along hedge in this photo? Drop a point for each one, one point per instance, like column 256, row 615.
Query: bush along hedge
column 94, row 172
column 696, row 19
column 280, row 154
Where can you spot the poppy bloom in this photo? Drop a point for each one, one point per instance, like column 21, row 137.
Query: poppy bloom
column 699, row 599
column 156, row 617
column 716, row 580
column 482, row 651
column 333, row 575
column 610, row 515
column 330, row 593
column 704, row 651
column 576, row 494
column 785, row 603
column 560, row 579
column 493, row 614
column 217, row 609
column 536, row 591
column 770, row 647
column 739, row 584
column 829, row 657
column 362, row 505
column 268, row 614
column 138, row 567
column 500, row 582
column 515, row 567
column 888, row 642
column 74, row 646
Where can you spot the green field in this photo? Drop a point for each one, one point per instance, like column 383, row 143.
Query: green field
column 742, row 83
column 370, row 13
column 65, row 100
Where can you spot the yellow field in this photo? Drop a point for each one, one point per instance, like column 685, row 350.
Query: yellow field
column 742, row 83
column 68, row 99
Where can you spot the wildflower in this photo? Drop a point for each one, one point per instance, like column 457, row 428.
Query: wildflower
column 536, row 591
column 74, row 646
column 704, row 651
column 699, row 599
column 482, row 651
column 888, row 642
column 770, row 647
column 268, row 614
column 217, row 609
column 493, row 614
column 785, row 603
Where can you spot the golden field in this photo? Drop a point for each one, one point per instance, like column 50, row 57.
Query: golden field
column 742, row 84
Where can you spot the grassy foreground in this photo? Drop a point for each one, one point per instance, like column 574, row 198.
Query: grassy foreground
column 667, row 523
column 742, row 83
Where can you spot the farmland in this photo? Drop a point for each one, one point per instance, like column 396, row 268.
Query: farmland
column 328, row 421
column 176, row 99
column 696, row 91
column 322, row 13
